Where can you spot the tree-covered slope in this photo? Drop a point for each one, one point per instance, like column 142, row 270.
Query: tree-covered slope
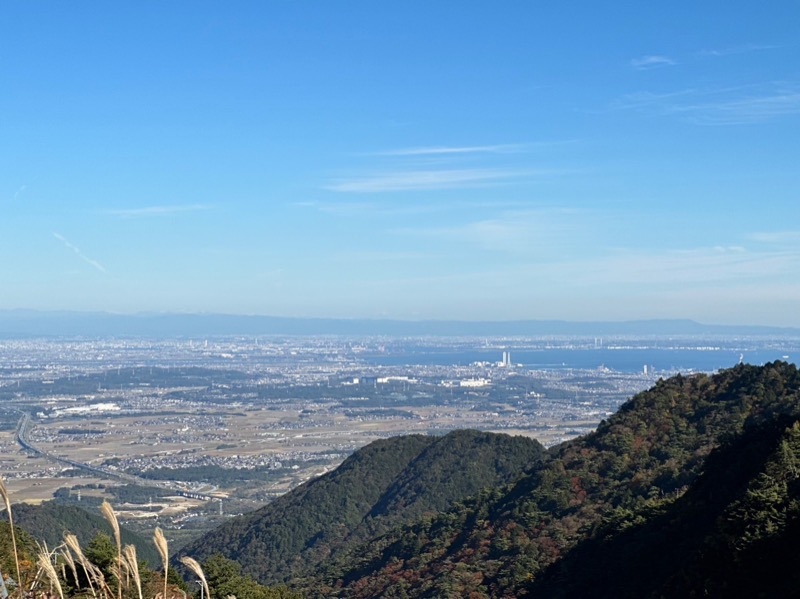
column 453, row 468
column 47, row 522
column 734, row 533
column 647, row 455
column 26, row 550
column 384, row 484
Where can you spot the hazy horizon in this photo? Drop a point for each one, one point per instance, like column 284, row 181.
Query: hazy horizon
column 413, row 161
column 164, row 325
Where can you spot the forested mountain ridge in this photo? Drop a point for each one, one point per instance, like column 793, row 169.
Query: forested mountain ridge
column 644, row 458
column 734, row 533
column 387, row 483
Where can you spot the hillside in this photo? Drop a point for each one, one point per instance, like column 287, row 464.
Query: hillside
column 386, row 483
column 652, row 455
column 26, row 546
column 49, row 521
column 733, row 533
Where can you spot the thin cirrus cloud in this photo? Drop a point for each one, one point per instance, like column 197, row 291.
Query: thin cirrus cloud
column 422, row 180
column 444, row 150
column 762, row 106
column 729, row 265
column 71, row 246
column 654, row 61
column 651, row 61
column 148, row 211
column 372, row 208
column 742, row 49
column 776, row 237
column 349, row 257
column 725, row 106
column 513, row 231
column 699, row 267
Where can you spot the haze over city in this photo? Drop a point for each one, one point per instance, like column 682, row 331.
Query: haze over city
column 412, row 160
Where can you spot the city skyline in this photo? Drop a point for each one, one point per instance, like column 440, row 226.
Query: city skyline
column 411, row 162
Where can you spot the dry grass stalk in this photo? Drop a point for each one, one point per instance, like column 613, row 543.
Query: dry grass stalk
column 72, row 543
column 108, row 514
column 7, row 500
column 47, row 567
column 100, row 581
column 65, row 553
column 126, row 570
column 133, row 566
column 195, row 567
column 163, row 550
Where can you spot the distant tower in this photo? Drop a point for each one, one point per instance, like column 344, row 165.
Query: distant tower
column 508, row 359
column 645, row 369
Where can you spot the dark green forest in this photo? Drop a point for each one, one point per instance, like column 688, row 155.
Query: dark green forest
column 388, row 482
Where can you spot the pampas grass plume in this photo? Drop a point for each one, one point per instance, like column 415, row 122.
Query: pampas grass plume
column 133, row 566
column 163, row 550
column 195, row 567
column 47, row 567
column 108, row 513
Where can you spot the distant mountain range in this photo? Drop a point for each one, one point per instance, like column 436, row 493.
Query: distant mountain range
column 31, row 323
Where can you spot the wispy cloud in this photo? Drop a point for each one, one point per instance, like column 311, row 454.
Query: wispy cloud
column 157, row 210
column 651, row 61
column 765, row 105
column 741, row 49
column 724, row 106
column 391, row 210
column 19, row 191
column 436, row 167
column 776, row 237
column 421, row 180
column 512, row 231
column 350, row 257
column 79, row 253
column 440, row 150
column 696, row 266
column 624, row 283
column 444, row 150
column 649, row 100
column 497, row 234
column 654, row 61
column 631, row 268
column 371, row 208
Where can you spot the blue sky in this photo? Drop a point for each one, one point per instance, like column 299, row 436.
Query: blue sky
column 469, row 160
